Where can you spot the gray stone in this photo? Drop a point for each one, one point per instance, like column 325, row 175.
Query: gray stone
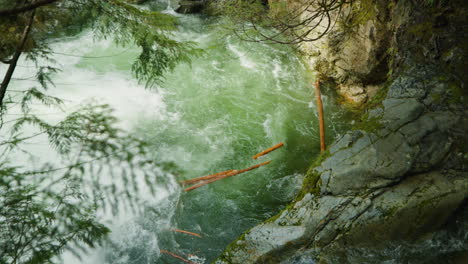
column 446, row 119
column 345, row 141
column 407, row 87
column 376, row 112
column 367, row 165
column 398, row 112
column 421, row 203
column 335, row 221
column 415, row 131
column 433, row 149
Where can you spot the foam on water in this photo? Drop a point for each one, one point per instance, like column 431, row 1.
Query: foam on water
column 244, row 60
column 213, row 115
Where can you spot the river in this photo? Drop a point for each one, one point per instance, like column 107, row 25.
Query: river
column 235, row 100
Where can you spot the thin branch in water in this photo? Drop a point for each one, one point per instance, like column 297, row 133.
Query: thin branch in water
column 175, row 256
column 195, row 180
column 186, row 232
column 277, row 146
column 233, row 173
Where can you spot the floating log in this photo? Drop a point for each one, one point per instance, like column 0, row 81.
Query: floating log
column 233, row 173
column 277, row 146
column 186, row 232
column 320, row 115
column 195, row 180
column 175, row 256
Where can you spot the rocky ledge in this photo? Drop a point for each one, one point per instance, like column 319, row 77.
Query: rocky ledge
column 401, row 179
column 395, row 188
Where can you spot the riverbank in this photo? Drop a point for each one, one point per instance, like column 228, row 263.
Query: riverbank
column 393, row 188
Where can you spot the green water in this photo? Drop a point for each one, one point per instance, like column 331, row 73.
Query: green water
column 235, row 100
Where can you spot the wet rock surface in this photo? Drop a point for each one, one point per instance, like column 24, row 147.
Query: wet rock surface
column 396, row 183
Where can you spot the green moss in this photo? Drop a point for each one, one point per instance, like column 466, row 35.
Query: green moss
column 378, row 98
column 312, row 181
column 362, row 12
column 391, row 54
column 453, row 94
column 437, row 97
column 234, row 246
column 391, row 211
column 457, row 94
column 422, row 30
column 273, row 218
column 442, row 78
column 368, row 124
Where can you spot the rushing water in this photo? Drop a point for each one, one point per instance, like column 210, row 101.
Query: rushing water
column 213, row 115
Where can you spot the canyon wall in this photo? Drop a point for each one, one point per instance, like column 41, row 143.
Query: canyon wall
column 395, row 187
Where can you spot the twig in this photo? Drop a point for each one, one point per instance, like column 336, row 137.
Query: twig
column 194, row 180
column 233, row 173
column 277, row 146
column 175, row 256
column 186, row 232
column 320, row 115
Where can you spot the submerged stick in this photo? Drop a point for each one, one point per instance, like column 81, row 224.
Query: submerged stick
column 186, row 232
column 194, row 180
column 277, row 146
column 320, row 115
column 175, row 256
column 233, row 173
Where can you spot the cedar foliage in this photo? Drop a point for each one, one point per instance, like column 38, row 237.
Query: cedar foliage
column 52, row 207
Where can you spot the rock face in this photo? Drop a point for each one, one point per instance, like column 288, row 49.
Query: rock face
column 395, row 183
column 400, row 178
column 355, row 56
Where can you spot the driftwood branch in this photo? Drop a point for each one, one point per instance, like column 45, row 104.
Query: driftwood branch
column 176, row 256
column 320, row 115
column 186, row 232
column 195, row 180
column 233, row 173
column 277, row 146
